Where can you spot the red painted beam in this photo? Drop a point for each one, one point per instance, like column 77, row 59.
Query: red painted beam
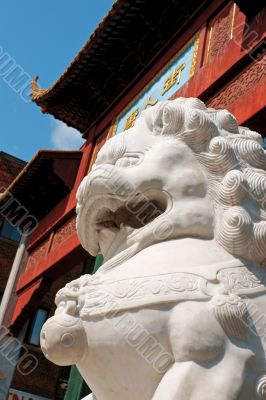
column 24, row 299
column 207, row 79
column 64, row 257
column 65, row 208
column 48, row 222
column 250, row 103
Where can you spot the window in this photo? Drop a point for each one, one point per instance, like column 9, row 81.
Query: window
column 10, row 232
column 36, row 325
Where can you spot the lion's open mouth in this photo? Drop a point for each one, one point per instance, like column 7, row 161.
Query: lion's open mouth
column 115, row 224
column 132, row 215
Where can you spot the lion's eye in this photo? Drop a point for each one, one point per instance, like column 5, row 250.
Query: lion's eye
column 128, row 160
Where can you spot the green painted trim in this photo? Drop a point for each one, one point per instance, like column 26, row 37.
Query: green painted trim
column 75, row 384
column 98, row 263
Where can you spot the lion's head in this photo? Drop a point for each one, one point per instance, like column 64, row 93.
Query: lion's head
column 184, row 170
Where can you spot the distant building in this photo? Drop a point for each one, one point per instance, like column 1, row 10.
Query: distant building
column 10, row 167
column 142, row 52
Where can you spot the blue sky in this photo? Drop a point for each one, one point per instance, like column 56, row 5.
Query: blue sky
column 42, row 38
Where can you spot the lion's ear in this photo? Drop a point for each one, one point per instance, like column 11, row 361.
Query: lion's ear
column 158, row 118
column 173, row 119
column 226, row 121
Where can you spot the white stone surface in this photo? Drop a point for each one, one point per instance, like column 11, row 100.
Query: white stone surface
column 177, row 207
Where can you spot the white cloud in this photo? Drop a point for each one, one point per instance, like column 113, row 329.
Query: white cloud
column 65, row 138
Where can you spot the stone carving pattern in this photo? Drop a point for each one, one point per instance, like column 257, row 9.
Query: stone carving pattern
column 37, row 254
column 239, row 86
column 64, row 232
column 220, row 32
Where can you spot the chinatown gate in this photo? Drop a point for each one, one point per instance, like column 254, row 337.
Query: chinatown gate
column 213, row 50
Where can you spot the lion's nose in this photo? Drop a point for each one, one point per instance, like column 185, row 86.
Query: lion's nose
column 63, row 339
column 98, row 180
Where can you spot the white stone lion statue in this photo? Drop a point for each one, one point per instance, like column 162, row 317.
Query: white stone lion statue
column 177, row 206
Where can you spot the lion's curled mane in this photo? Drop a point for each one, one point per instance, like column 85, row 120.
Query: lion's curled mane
column 235, row 163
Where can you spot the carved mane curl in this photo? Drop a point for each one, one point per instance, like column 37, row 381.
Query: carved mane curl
column 235, row 163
